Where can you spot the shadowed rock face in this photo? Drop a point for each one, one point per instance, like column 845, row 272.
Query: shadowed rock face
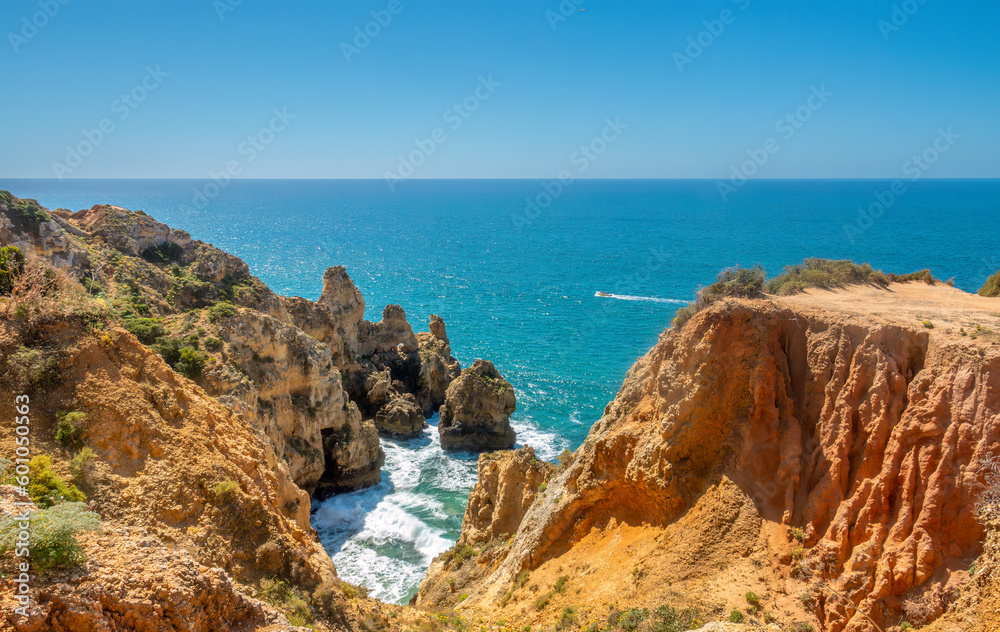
column 477, row 409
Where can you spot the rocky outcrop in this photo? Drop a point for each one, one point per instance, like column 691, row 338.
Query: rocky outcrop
column 401, row 418
column 286, row 382
column 438, row 368
column 507, row 485
column 25, row 224
column 477, row 410
column 171, row 459
column 841, row 453
column 355, row 457
column 389, row 334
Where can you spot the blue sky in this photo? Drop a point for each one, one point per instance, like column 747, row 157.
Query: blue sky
column 559, row 81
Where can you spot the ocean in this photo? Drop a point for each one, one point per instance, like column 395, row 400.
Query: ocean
column 513, row 267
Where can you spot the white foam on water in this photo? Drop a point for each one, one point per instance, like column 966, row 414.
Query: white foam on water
column 386, row 578
column 379, row 537
column 651, row 299
column 547, row 445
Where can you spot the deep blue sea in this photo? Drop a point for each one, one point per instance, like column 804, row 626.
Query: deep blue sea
column 521, row 292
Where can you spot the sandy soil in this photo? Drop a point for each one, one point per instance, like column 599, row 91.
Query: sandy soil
column 941, row 307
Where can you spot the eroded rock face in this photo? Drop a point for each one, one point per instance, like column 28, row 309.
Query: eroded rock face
column 438, row 368
column 401, row 418
column 48, row 240
column 477, row 410
column 354, row 457
column 285, row 381
column 867, row 435
column 172, row 459
column 385, row 336
column 507, row 485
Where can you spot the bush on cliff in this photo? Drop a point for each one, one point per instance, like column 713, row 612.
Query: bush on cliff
column 53, row 531
column 26, row 215
column 11, row 266
column 828, row 274
column 147, row 330
column 46, row 488
column 735, row 282
column 991, row 287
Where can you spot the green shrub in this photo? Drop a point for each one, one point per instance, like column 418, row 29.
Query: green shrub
column 34, row 368
column 543, row 601
column 190, row 364
column 46, row 488
column 736, row 616
column 80, row 460
column 92, row 286
column 53, row 530
column 11, row 267
column 460, row 552
column 802, row 626
column 829, row 274
column 669, row 619
column 733, row 282
column 560, row 585
column 226, row 490
column 26, row 215
column 221, row 310
column 753, row 599
column 287, row 599
column 68, row 432
column 147, row 330
column 628, row 620
column 463, row 597
column 212, row 343
column 166, row 252
column 567, row 619
column 991, row 287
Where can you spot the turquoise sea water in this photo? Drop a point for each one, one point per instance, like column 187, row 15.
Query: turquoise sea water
column 522, row 293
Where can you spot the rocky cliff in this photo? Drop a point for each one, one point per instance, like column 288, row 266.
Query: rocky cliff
column 196, row 410
column 817, row 452
column 305, row 373
column 477, row 409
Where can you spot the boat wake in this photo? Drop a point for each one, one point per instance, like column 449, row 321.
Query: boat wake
column 649, row 299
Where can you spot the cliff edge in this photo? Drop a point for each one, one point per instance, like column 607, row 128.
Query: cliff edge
column 819, row 455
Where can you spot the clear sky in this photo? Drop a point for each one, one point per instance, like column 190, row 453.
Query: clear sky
column 685, row 111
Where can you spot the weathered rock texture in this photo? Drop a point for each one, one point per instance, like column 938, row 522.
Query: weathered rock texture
column 401, row 418
column 507, row 485
column 290, row 365
column 477, row 409
column 760, row 417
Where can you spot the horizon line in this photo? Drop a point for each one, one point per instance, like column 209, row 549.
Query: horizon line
column 480, row 179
